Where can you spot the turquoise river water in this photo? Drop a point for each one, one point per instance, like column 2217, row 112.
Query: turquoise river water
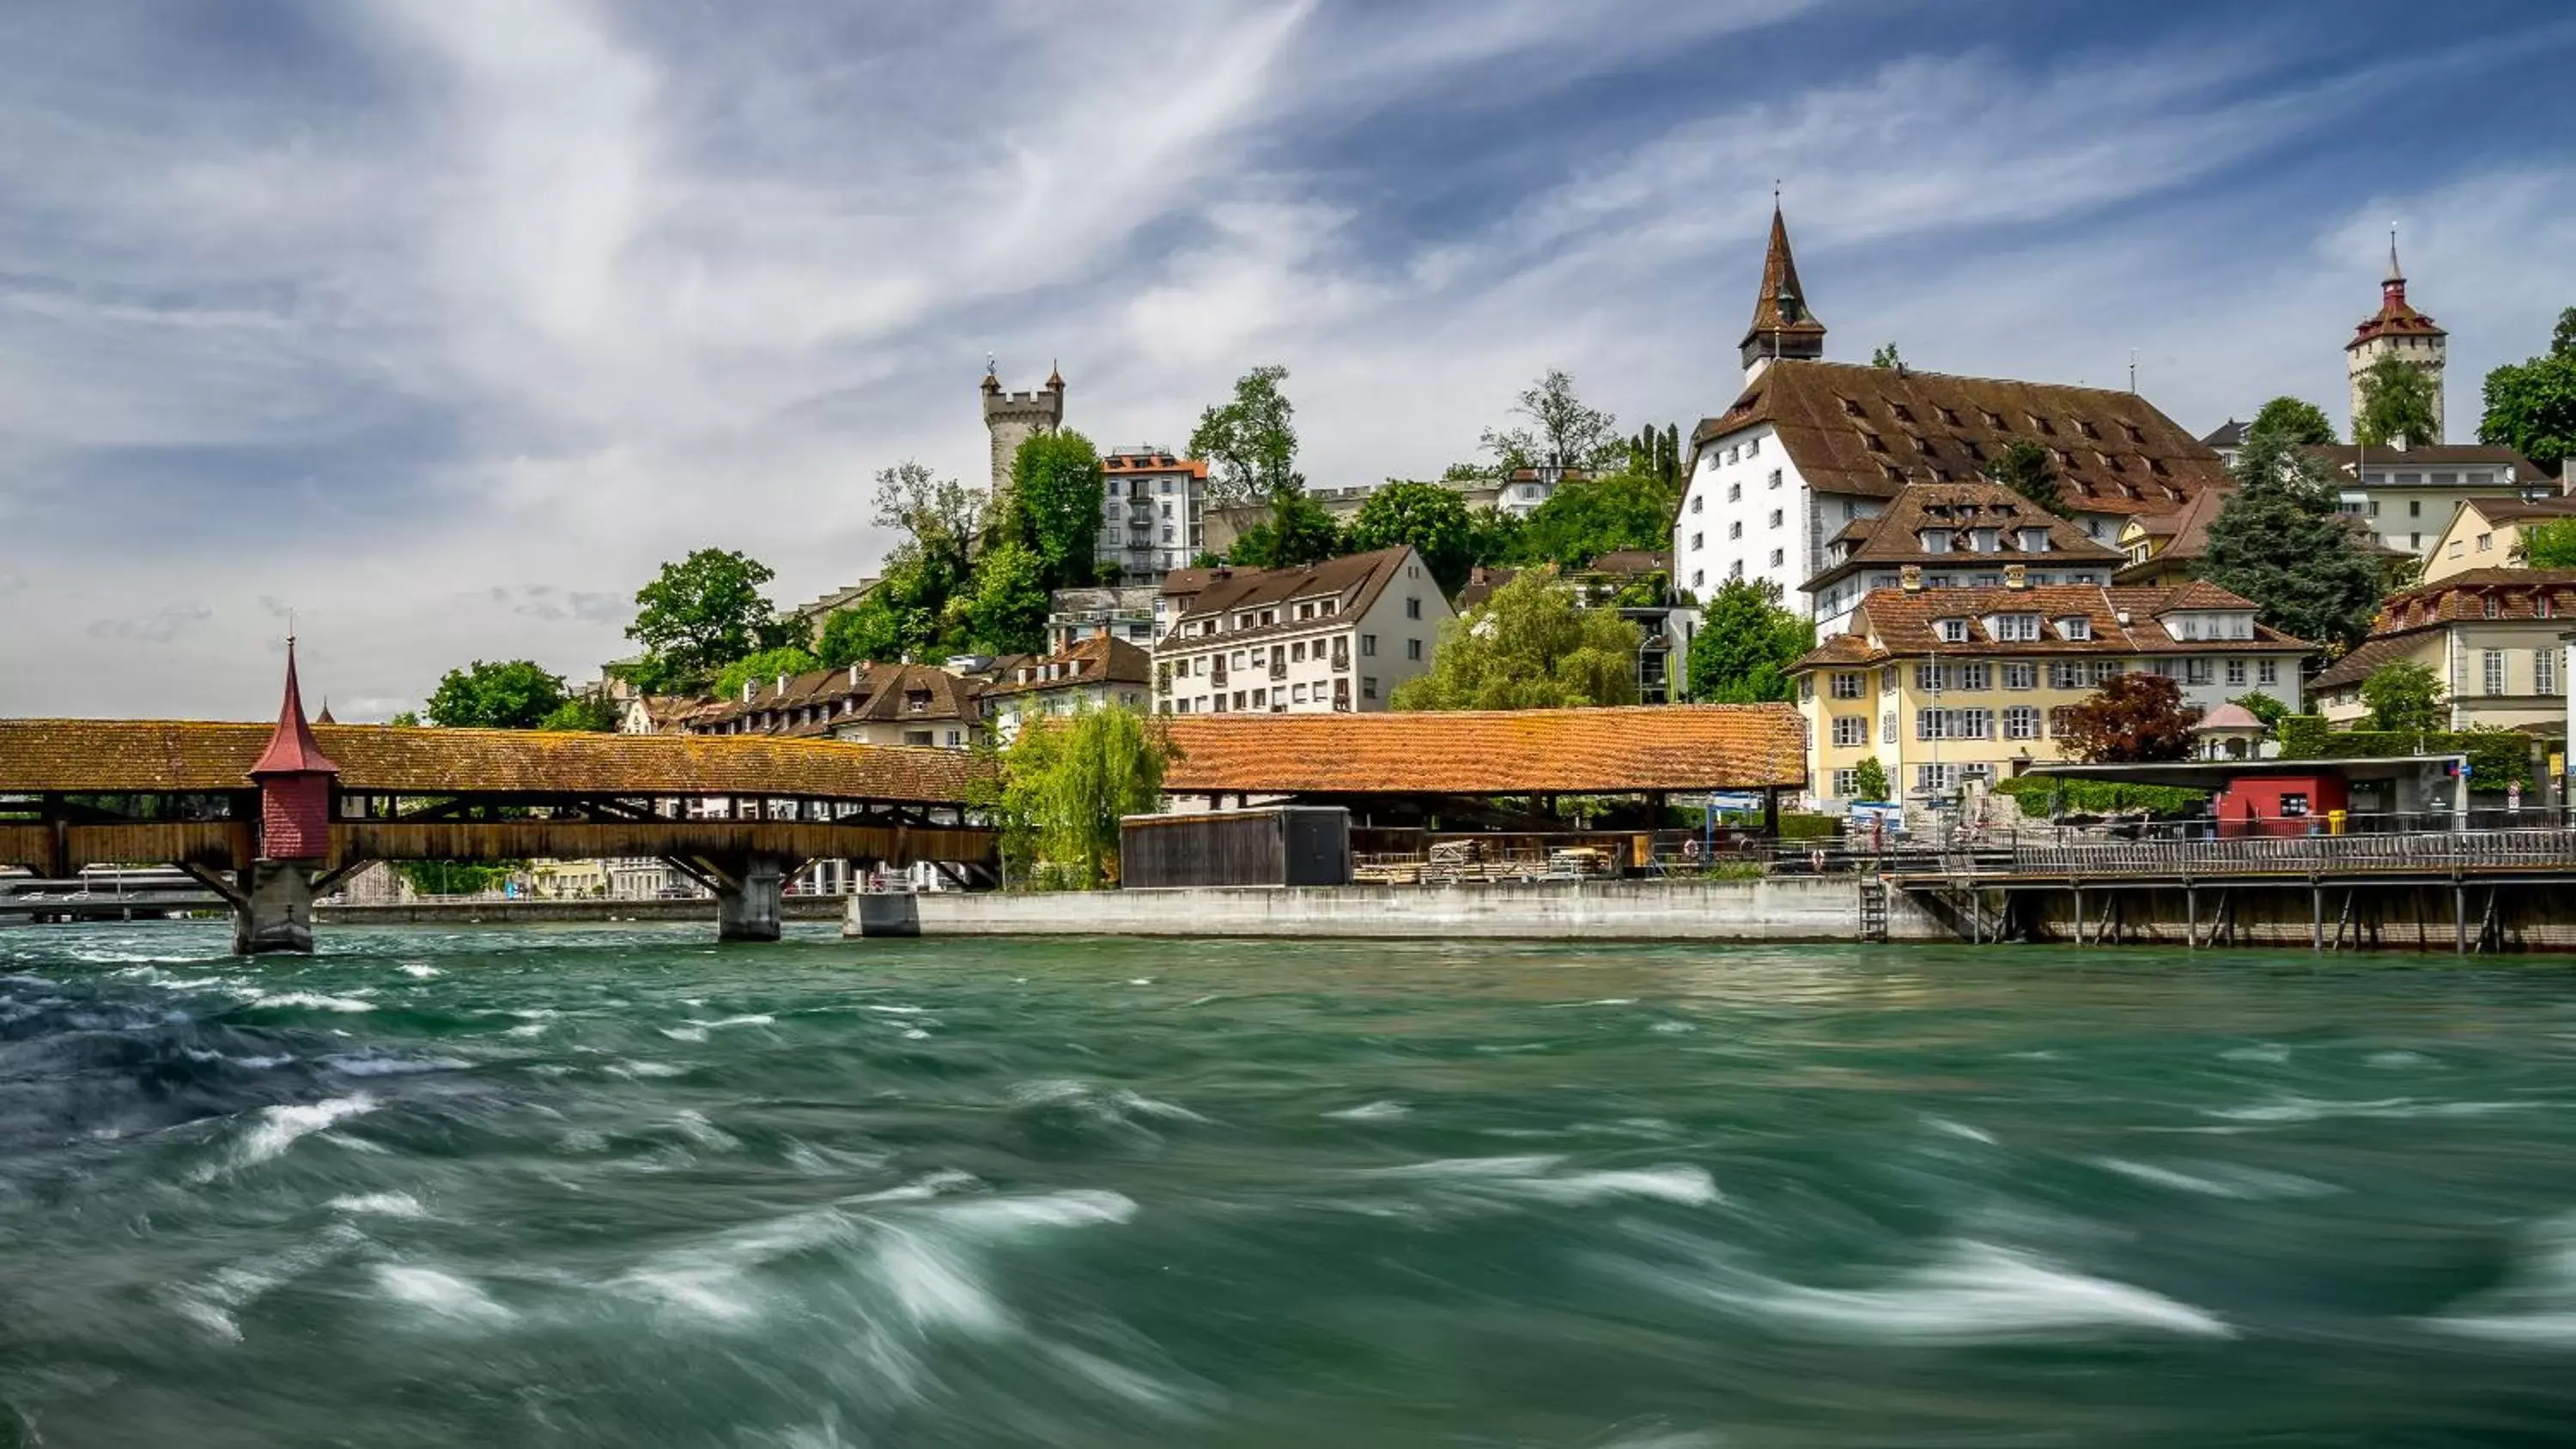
column 622, row 1187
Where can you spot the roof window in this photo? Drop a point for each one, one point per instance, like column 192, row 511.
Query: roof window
column 1853, row 409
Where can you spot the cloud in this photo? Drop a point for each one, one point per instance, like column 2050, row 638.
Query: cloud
column 11, row 582
column 390, row 310
column 158, row 628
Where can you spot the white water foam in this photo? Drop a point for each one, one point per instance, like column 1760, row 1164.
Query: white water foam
column 419, row 970
column 380, row 1204
column 277, row 1128
column 2537, row 1308
column 645, row 1069
column 215, row 1303
column 2220, row 1179
column 1372, row 1112
column 308, row 1000
column 442, row 1294
column 377, row 1066
column 694, row 1125
column 1536, row 1177
column 2310, row 1109
column 1978, row 1293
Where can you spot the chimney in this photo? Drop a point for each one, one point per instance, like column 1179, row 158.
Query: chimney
column 854, row 676
column 2397, row 443
column 1910, row 578
column 782, row 685
column 2123, row 616
column 2016, row 576
column 746, row 691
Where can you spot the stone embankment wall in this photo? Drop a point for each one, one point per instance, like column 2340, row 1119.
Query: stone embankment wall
column 506, row 913
column 1784, row 909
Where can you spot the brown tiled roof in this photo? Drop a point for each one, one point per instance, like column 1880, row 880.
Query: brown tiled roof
column 1901, row 622
column 1491, row 752
column 95, row 756
column 1840, row 649
column 1894, row 537
column 814, row 703
column 2519, row 594
column 1482, row 580
column 1870, row 430
column 2229, row 434
column 1355, row 581
column 1153, row 460
column 2188, row 529
column 2373, row 652
column 2395, row 315
column 1096, row 660
column 2522, row 510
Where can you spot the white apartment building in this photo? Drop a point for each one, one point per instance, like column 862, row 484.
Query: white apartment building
column 1335, row 636
column 1150, row 507
column 1810, row 445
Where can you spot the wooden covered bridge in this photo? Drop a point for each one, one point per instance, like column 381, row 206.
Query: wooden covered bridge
column 271, row 817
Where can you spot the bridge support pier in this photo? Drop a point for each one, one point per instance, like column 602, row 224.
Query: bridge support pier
column 750, row 894
column 273, row 910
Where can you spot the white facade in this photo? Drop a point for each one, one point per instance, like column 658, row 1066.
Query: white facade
column 1746, row 513
column 1151, row 508
column 1302, row 655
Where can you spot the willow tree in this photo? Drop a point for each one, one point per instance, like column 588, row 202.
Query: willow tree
column 1062, row 788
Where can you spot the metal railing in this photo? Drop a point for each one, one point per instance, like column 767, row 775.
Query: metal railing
column 2385, row 852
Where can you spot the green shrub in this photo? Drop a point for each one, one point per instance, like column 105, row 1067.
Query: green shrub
column 2497, row 757
column 2044, row 795
column 1800, row 825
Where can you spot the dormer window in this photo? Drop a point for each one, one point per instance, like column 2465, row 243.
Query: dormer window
column 2075, row 627
column 1935, row 540
column 1953, row 631
column 2034, row 540
column 1984, row 540
column 2015, row 628
column 2045, row 427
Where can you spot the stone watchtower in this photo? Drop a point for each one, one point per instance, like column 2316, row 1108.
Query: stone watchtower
column 2397, row 330
column 1015, row 417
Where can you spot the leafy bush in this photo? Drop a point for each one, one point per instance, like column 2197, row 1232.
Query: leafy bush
column 2303, row 736
column 2044, row 795
column 2497, row 757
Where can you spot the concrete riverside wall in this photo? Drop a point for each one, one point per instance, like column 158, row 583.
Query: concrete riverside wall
column 502, row 913
column 1782, row 909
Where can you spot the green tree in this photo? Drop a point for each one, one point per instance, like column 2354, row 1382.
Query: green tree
column 2403, row 695
column 508, row 694
column 1886, row 356
column 1529, row 646
column 2396, row 402
column 584, row 713
column 454, row 877
column 2031, row 471
column 1657, row 453
column 1250, row 441
column 1562, row 430
column 1583, row 520
column 1869, row 779
column 1007, row 612
column 2550, row 545
column 2263, row 707
column 1745, row 645
column 869, row 631
column 764, row 669
column 2531, row 405
column 918, row 610
column 1493, row 537
column 700, row 613
column 2299, row 420
column 1298, row 532
column 2279, row 542
column 1431, row 518
column 1056, row 493
column 1062, row 788
column 2136, row 718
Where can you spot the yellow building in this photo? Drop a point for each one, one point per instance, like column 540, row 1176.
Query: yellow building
column 2491, row 635
column 2486, row 533
column 1944, row 686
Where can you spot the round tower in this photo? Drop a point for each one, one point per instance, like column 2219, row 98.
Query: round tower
column 2397, row 330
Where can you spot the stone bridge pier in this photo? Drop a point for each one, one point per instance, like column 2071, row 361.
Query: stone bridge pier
column 750, row 892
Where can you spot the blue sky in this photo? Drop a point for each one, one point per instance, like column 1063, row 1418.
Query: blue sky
column 442, row 322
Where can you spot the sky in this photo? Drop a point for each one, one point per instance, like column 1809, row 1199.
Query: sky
column 438, row 325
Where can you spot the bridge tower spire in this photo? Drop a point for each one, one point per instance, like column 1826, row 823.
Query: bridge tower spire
column 295, row 782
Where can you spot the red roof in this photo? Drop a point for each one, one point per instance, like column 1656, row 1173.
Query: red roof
column 292, row 750
column 1616, row 750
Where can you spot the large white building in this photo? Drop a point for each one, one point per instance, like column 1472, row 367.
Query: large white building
column 1334, row 636
column 1809, row 446
column 1151, row 504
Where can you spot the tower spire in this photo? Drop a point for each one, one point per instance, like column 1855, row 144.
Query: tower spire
column 292, row 749
column 1783, row 327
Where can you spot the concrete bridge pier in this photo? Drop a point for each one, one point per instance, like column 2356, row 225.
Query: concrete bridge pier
column 275, row 909
column 749, row 895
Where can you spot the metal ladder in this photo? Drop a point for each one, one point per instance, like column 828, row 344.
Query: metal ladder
column 1873, row 908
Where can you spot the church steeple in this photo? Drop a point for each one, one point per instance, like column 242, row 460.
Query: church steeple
column 1783, row 327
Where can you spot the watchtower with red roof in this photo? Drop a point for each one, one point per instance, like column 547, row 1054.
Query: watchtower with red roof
column 295, row 780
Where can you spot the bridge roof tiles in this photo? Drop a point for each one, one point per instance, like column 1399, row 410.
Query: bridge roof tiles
column 92, row 756
column 1634, row 749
